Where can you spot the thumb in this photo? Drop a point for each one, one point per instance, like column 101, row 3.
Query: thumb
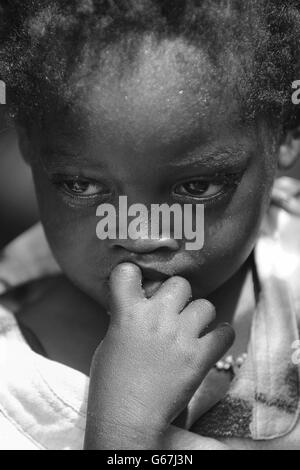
column 125, row 286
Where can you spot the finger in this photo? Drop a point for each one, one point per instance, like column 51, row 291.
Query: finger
column 213, row 346
column 208, row 395
column 174, row 295
column 196, row 317
column 126, row 286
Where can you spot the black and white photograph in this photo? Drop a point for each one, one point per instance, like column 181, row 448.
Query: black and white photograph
column 149, row 228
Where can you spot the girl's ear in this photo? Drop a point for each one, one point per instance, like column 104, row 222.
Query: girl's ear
column 24, row 144
column 289, row 151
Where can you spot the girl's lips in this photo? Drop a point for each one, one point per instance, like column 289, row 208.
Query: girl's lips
column 151, row 287
column 150, row 274
column 152, row 281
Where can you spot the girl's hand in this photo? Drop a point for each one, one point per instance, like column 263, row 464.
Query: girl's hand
column 151, row 362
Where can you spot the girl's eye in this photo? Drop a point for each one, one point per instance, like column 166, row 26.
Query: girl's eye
column 201, row 189
column 83, row 188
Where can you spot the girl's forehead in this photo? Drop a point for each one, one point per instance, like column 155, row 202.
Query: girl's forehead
column 166, row 103
column 169, row 86
column 164, row 70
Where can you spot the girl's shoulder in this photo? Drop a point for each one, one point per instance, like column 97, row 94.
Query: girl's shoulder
column 278, row 246
column 281, row 225
column 26, row 259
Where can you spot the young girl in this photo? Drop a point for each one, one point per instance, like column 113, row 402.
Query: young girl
column 164, row 102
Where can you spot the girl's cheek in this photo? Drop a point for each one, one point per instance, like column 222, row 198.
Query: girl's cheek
column 232, row 236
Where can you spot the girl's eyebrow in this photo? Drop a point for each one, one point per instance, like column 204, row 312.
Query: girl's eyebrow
column 59, row 152
column 62, row 158
column 214, row 159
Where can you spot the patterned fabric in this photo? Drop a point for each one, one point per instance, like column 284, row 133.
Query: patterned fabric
column 43, row 403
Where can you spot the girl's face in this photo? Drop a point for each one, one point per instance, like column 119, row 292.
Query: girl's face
column 163, row 132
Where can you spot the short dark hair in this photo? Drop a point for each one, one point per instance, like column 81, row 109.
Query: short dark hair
column 44, row 42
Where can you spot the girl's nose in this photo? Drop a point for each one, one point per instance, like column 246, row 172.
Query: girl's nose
column 145, row 246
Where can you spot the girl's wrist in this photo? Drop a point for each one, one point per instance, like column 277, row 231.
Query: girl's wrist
column 123, row 436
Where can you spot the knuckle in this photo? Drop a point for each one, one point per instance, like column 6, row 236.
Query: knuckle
column 169, row 334
column 190, row 359
column 206, row 304
column 194, row 314
column 190, row 313
column 172, row 336
column 183, row 284
column 225, row 334
column 187, row 353
column 207, row 307
column 157, row 326
column 154, row 327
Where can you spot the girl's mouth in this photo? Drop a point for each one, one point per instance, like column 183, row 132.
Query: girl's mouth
column 153, row 274
column 151, row 287
column 152, row 281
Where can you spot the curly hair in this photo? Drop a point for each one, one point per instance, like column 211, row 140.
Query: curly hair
column 45, row 45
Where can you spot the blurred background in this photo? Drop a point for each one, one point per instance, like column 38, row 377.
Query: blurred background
column 18, row 207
